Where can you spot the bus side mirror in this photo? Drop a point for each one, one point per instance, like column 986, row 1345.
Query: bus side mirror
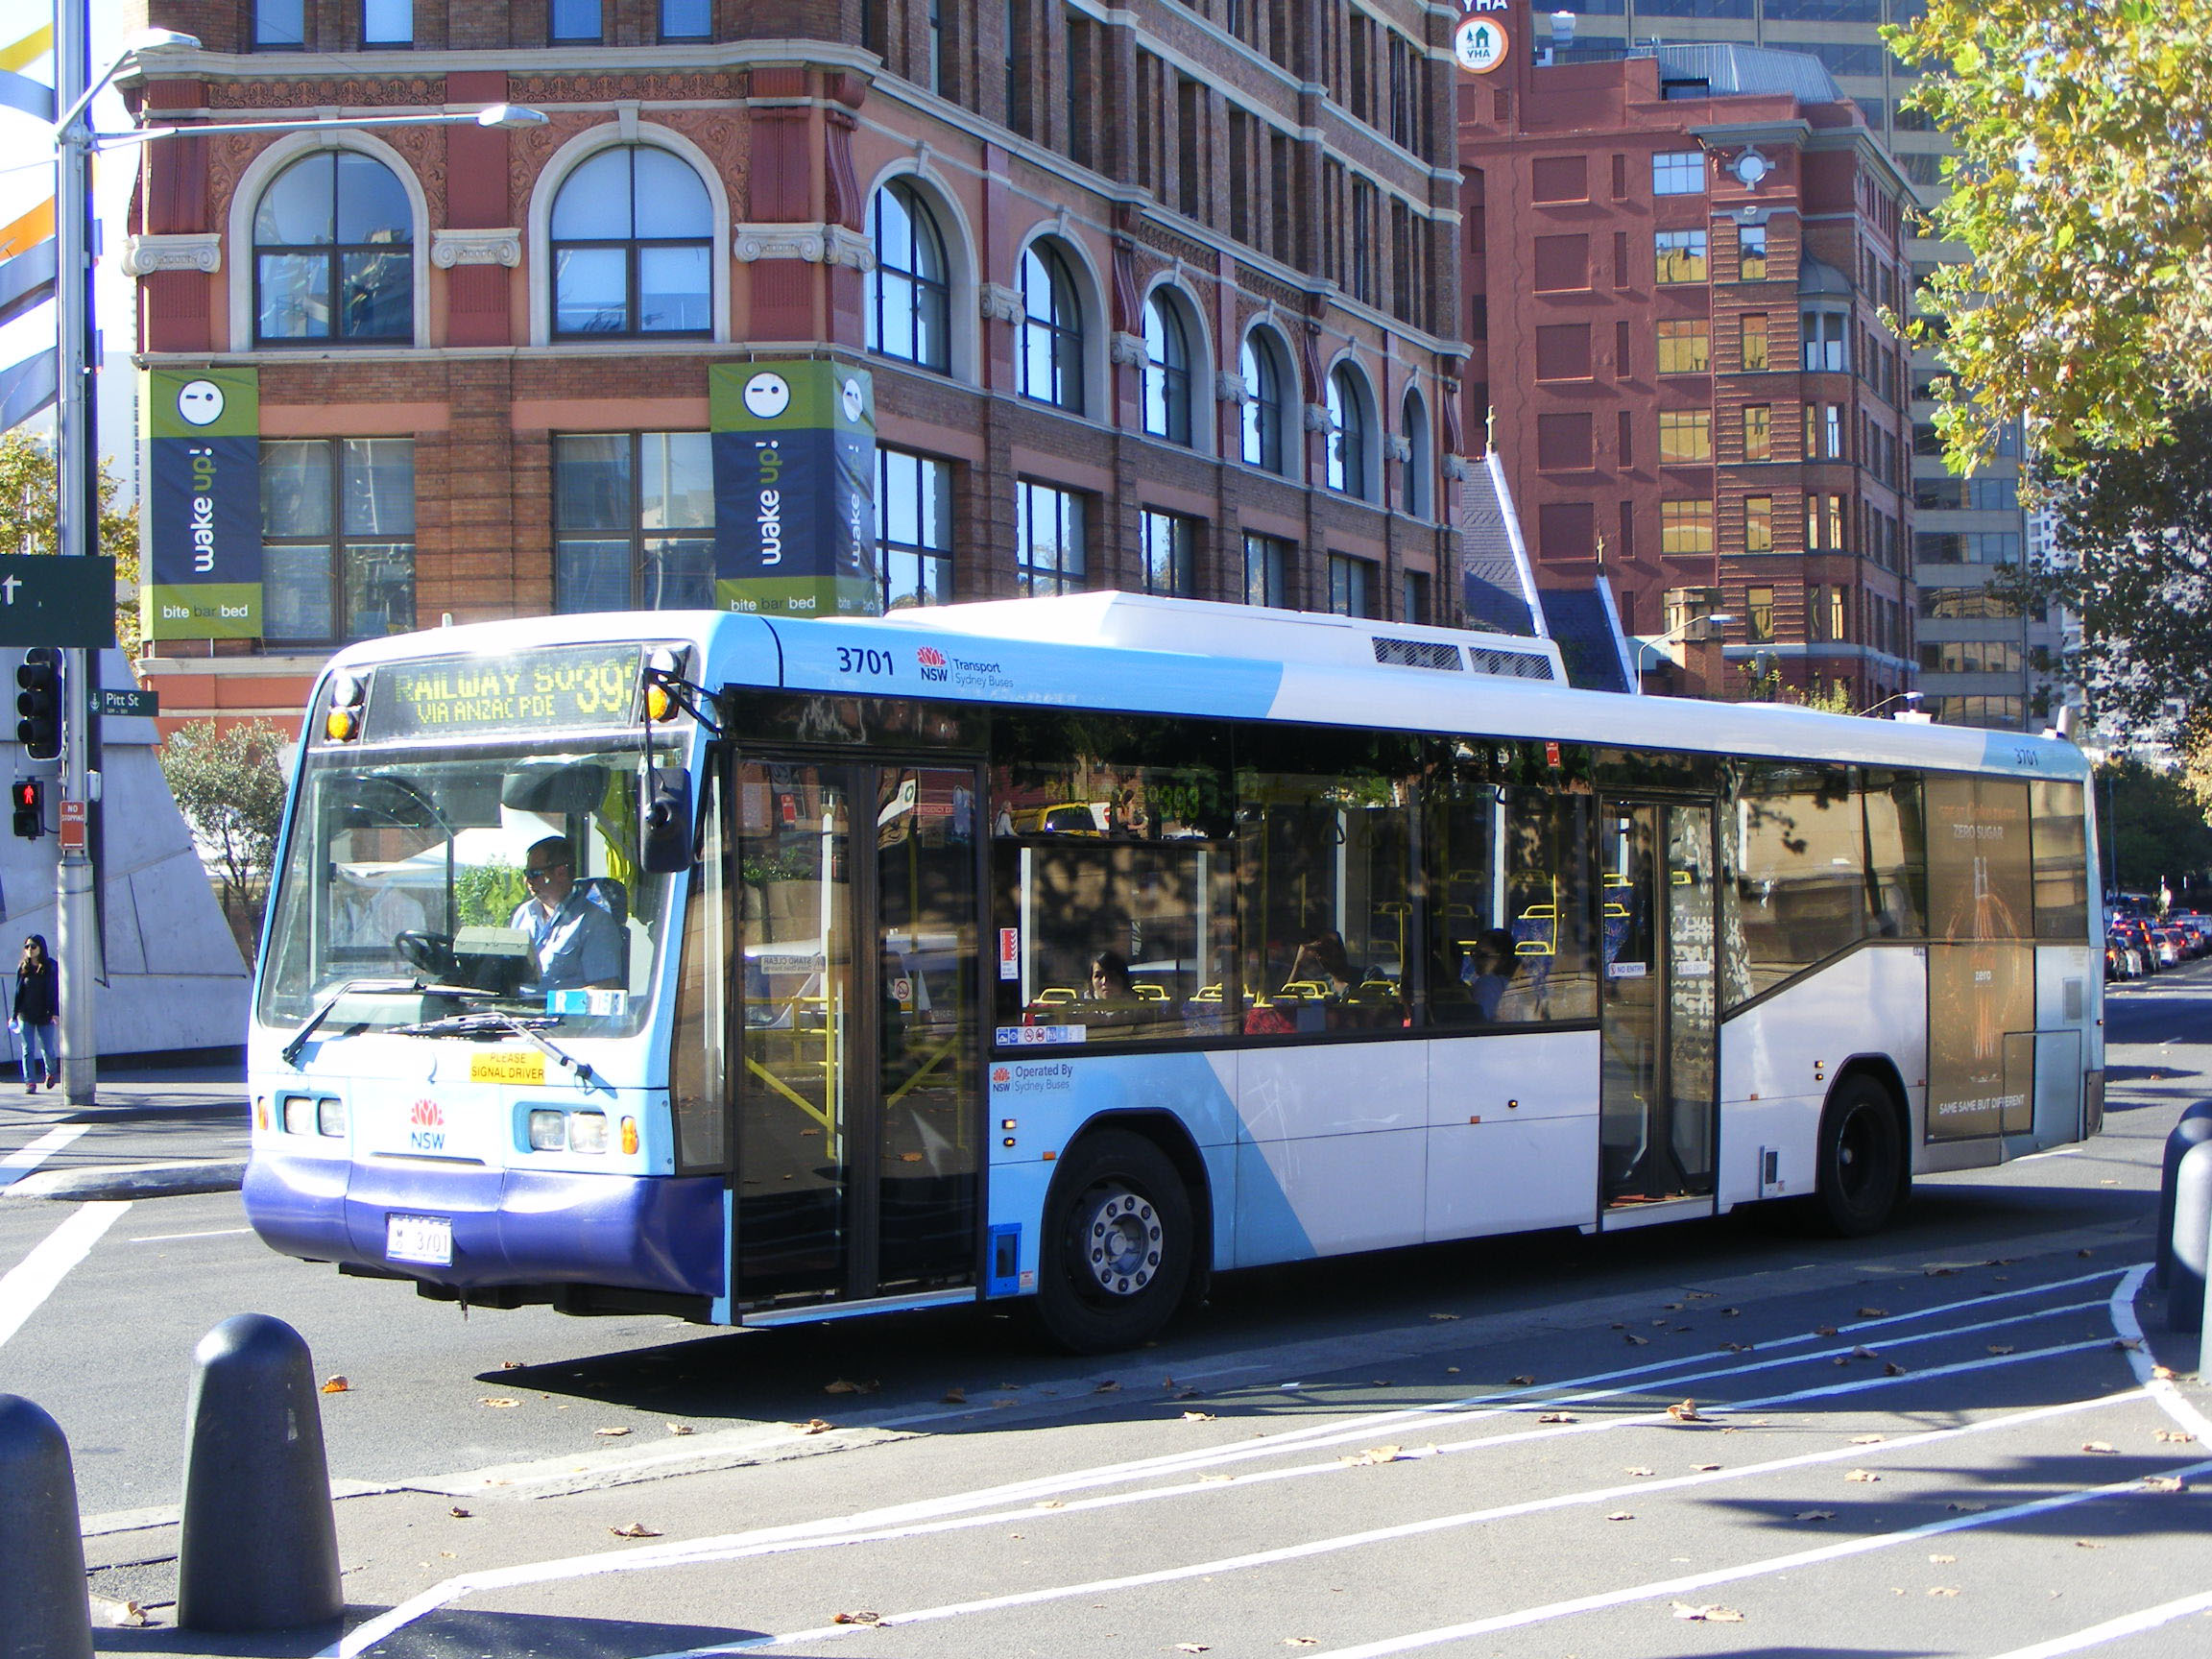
column 667, row 838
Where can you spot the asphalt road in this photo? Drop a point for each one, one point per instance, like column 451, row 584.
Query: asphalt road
column 1935, row 1442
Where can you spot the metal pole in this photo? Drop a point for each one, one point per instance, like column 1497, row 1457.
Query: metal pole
column 77, row 951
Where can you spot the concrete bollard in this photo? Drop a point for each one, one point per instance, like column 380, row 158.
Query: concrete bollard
column 44, row 1610
column 2196, row 1125
column 2192, row 1237
column 259, row 1542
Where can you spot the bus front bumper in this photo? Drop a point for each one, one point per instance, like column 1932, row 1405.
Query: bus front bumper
column 659, row 1233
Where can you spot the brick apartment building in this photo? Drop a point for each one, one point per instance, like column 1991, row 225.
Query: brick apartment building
column 1676, row 262
column 1158, row 297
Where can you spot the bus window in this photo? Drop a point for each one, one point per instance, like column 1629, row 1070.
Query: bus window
column 1325, row 889
column 1799, row 857
column 1896, row 852
column 2061, row 843
column 1113, row 877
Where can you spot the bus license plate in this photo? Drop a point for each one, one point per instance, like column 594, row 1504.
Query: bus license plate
column 428, row 1240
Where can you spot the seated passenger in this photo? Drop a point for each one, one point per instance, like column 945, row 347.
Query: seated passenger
column 1492, row 964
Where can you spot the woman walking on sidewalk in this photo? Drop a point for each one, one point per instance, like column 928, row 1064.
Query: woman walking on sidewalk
column 37, row 1004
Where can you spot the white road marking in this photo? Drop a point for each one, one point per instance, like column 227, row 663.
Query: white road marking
column 943, row 1515
column 25, row 1158
column 2054, row 1152
column 2144, row 1363
column 170, row 1237
column 35, row 1278
column 2112, row 1630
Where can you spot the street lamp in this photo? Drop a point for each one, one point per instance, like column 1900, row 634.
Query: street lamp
column 1651, row 648
column 76, row 465
column 1911, row 714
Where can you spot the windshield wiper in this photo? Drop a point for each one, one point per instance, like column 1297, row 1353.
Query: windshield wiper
column 491, row 1022
column 363, row 988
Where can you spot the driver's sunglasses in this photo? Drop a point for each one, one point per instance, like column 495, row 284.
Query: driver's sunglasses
column 538, row 873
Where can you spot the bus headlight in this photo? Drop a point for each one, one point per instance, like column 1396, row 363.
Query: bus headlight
column 548, row 1131
column 587, row 1131
column 329, row 1115
column 298, row 1113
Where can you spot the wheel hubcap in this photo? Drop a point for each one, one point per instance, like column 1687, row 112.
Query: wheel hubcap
column 1120, row 1240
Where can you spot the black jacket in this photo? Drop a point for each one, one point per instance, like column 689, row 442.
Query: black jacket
column 39, row 994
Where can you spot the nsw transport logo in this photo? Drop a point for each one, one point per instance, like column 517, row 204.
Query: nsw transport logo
column 931, row 661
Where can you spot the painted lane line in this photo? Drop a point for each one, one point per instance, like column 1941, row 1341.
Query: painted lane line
column 877, row 1528
column 36, row 1277
column 172, row 1237
column 1478, row 1628
column 1692, row 1583
column 25, row 1158
column 2144, row 1363
column 2112, row 1630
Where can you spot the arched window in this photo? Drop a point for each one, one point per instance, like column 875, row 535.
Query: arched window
column 1051, row 350
column 1166, row 370
column 333, row 253
column 1420, row 464
column 633, row 238
column 1264, row 380
column 1349, row 433
column 909, row 292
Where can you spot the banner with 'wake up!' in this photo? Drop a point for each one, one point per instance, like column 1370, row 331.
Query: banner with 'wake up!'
column 200, row 556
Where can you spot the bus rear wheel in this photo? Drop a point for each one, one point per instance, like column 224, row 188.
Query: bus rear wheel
column 1861, row 1170
column 1117, row 1251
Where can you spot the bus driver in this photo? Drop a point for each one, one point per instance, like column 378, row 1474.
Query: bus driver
column 574, row 939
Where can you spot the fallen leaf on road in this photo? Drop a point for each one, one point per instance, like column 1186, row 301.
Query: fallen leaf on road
column 1454, row 1371
column 862, row 1618
column 2099, row 1445
column 636, row 1529
column 1373, row 1455
column 1699, row 1295
column 1522, row 1381
column 2175, row 1437
column 1940, row 1272
column 1868, row 1439
column 1815, row 1515
column 2128, row 1344
column 1197, row 1416
column 510, row 1364
column 1873, row 1312
column 680, row 1429
column 2001, row 1348
column 1942, row 1590
column 1635, row 1341
column 1187, row 1394
column 337, row 1385
column 109, row 1614
column 1217, row 1477
column 1051, row 1503
column 2163, row 1373
column 1554, row 1416
column 1443, row 1316
column 1712, row 1615
column 1823, row 1329
column 459, row 1514
column 2163, row 1483
column 1192, row 1647
column 498, row 1404
column 2086, row 1544
column 1671, row 1306
column 815, row 1426
column 1731, row 1312
column 843, row 1387
column 1736, row 1348
column 1705, row 1468
column 1967, row 1508
column 1620, row 1515
column 1301, row 1641
column 1108, row 1387
column 609, row 1434
column 1942, row 1560
column 2084, row 1253
column 1890, row 1368
column 955, row 1397
column 1636, row 1470
column 1866, row 1476
column 1862, row 1352
column 1684, row 1412
column 1617, row 1326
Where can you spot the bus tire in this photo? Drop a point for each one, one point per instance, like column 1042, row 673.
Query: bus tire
column 1118, row 1247
column 1861, row 1174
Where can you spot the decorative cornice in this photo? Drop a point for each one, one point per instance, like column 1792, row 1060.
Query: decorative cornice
column 486, row 246
column 1455, row 466
column 1398, row 446
column 1000, row 303
column 182, row 251
column 1127, row 348
column 1317, row 419
column 1230, row 388
column 815, row 243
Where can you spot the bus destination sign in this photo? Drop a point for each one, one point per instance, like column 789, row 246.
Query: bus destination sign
column 558, row 686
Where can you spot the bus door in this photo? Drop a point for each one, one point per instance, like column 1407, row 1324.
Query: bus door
column 858, row 1099
column 1658, row 1100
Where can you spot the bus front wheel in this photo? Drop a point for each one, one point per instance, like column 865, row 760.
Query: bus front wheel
column 1861, row 1174
column 1117, row 1243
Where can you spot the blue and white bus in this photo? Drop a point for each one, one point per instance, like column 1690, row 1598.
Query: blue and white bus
column 1069, row 949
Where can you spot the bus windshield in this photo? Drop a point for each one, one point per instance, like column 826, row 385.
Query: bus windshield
column 499, row 878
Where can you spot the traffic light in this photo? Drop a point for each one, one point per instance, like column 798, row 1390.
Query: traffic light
column 40, row 705
column 28, row 796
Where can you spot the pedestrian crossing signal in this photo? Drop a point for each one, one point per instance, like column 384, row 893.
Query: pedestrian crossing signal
column 29, row 796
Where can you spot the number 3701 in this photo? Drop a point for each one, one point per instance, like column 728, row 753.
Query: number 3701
column 857, row 662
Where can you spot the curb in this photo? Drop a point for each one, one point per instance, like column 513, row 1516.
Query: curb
column 132, row 1181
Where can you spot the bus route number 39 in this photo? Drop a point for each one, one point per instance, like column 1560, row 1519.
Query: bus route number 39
column 851, row 661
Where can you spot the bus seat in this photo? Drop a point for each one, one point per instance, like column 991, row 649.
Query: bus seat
column 609, row 894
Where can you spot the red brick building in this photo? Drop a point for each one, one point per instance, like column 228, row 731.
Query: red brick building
column 1676, row 267
column 1160, row 298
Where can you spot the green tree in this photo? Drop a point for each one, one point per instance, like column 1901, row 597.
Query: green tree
column 2158, row 831
column 2081, row 190
column 2131, row 555
column 229, row 781
column 30, row 492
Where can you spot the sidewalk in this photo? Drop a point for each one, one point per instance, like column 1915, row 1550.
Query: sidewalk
column 148, row 1134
